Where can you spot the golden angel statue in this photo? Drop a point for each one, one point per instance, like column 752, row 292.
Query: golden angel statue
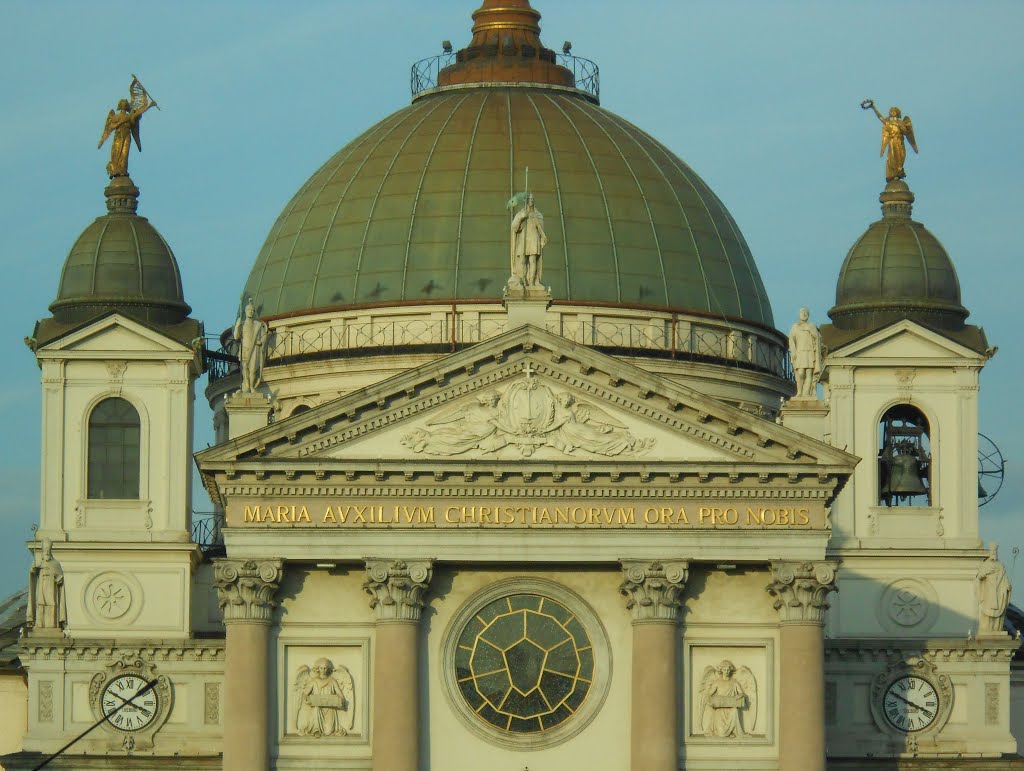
column 897, row 129
column 124, row 125
column 728, row 701
column 325, row 698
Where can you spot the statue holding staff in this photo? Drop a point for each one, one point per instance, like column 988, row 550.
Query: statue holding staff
column 124, row 125
column 897, row 129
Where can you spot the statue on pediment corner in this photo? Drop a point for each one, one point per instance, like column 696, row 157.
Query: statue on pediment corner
column 251, row 334
column 325, row 696
column 805, row 356
column 728, row 701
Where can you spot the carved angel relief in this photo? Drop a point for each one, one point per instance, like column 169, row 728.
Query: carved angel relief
column 527, row 415
column 325, row 698
column 728, row 701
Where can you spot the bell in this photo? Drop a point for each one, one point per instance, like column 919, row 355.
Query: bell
column 904, row 478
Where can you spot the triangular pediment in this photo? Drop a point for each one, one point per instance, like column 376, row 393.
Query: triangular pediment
column 113, row 334
column 905, row 340
column 527, row 398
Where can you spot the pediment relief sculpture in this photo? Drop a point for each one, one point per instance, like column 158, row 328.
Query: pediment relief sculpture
column 728, row 701
column 325, row 699
column 526, row 415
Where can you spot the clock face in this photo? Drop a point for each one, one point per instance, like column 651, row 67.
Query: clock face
column 910, row 704
column 129, row 717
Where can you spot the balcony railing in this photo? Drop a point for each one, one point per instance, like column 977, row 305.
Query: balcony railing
column 207, row 531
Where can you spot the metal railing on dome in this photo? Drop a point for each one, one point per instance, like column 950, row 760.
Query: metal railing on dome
column 675, row 341
column 669, row 338
column 424, row 73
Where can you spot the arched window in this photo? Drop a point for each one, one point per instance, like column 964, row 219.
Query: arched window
column 114, row 438
column 299, row 409
column 904, row 458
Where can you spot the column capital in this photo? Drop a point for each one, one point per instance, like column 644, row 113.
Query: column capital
column 652, row 589
column 396, row 587
column 801, row 590
column 246, row 588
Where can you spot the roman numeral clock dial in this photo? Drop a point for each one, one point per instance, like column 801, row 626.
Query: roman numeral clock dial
column 123, row 710
column 910, row 704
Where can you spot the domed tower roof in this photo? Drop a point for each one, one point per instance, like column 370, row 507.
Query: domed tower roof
column 414, row 209
column 897, row 270
column 120, row 262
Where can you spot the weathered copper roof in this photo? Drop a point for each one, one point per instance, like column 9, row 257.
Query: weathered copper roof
column 120, row 262
column 896, row 270
column 414, row 209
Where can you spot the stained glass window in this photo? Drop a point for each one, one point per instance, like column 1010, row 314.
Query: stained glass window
column 524, row 663
column 114, row 437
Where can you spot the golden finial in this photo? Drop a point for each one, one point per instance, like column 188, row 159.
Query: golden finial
column 124, row 125
column 896, row 130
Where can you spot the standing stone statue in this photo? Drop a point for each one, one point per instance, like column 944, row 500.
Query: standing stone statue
column 528, row 242
column 46, row 605
column 124, row 125
column 805, row 354
column 251, row 334
column 993, row 593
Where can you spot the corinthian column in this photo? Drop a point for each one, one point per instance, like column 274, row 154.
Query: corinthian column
column 245, row 591
column 800, row 590
column 396, row 593
column 652, row 592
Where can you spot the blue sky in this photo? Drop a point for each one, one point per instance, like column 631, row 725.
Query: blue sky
column 759, row 96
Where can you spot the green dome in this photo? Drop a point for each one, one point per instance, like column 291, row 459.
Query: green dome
column 120, row 262
column 896, row 270
column 414, row 211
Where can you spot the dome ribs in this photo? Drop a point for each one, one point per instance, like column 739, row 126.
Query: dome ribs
column 558, row 194
column 604, row 196
column 416, row 206
column 682, row 210
column 258, row 292
column 650, row 216
column 419, row 189
column 376, row 197
column 465, row 180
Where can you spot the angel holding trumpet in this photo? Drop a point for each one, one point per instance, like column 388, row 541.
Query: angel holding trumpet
column 897, row 129
column 124, row 125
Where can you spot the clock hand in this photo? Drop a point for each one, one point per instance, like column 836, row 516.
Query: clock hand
column 926, row 711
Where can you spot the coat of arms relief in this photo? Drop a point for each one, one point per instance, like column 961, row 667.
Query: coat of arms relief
column 526, row 416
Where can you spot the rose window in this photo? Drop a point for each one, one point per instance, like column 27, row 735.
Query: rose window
column 524, row 663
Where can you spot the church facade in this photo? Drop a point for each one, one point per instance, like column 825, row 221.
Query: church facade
column 514, row 469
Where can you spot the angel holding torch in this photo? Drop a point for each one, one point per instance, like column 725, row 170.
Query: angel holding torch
column 897, row 129
column 124, row 125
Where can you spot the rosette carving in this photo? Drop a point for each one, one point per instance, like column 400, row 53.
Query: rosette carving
column 245, row 589
column 396, row 588
column 801, row 589
column 652, row 589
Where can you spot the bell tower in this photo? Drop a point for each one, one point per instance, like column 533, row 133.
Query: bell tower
column 921, row 602
column 114, row 564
